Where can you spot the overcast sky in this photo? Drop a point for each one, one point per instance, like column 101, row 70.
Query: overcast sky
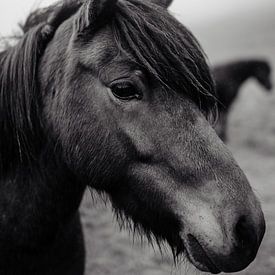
column 189, row 11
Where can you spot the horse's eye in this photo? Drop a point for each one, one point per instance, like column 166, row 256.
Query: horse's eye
column 125, row 91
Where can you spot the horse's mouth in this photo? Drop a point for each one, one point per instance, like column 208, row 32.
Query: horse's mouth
column 198, row 257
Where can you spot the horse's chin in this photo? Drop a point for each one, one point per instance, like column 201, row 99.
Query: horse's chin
column 197, row 256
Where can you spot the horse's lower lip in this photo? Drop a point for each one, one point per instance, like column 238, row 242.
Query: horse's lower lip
column 198, row 257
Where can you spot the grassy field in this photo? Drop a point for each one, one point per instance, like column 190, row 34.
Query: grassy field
column 251, row 139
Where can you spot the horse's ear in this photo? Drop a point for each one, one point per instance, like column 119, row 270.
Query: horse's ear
column 93, row 13
column 162, row 3
column 65, row 11
column 59, row 15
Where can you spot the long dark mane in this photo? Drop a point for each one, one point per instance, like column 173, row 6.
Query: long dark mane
column 165, row 49
column 20, row 100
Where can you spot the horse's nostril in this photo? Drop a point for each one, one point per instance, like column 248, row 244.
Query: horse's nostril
column 246, row 236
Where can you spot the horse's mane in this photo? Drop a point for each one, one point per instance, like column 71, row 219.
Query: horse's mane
column 20, row 100
column 165, row 49
column 42, row 15
column 19, row 97
column 156, row 41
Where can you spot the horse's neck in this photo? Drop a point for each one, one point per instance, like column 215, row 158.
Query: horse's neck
column 242, row 71
column 35, row 204
column 37, row 191
column 38, row 196
column 39, row 224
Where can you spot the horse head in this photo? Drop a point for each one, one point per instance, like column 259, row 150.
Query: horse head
column 126, row 93
column 262, row 72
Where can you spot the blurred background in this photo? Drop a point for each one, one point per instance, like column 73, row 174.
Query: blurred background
column 227, row 30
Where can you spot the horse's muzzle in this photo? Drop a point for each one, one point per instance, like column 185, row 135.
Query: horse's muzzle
column 236, row 251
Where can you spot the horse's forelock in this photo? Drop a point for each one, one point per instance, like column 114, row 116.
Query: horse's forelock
column 165, row 48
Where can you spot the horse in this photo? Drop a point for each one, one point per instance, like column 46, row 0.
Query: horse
column 116, row 96
column 229, row 78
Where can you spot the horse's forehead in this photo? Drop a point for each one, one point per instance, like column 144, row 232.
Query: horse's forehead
column 100, row 50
